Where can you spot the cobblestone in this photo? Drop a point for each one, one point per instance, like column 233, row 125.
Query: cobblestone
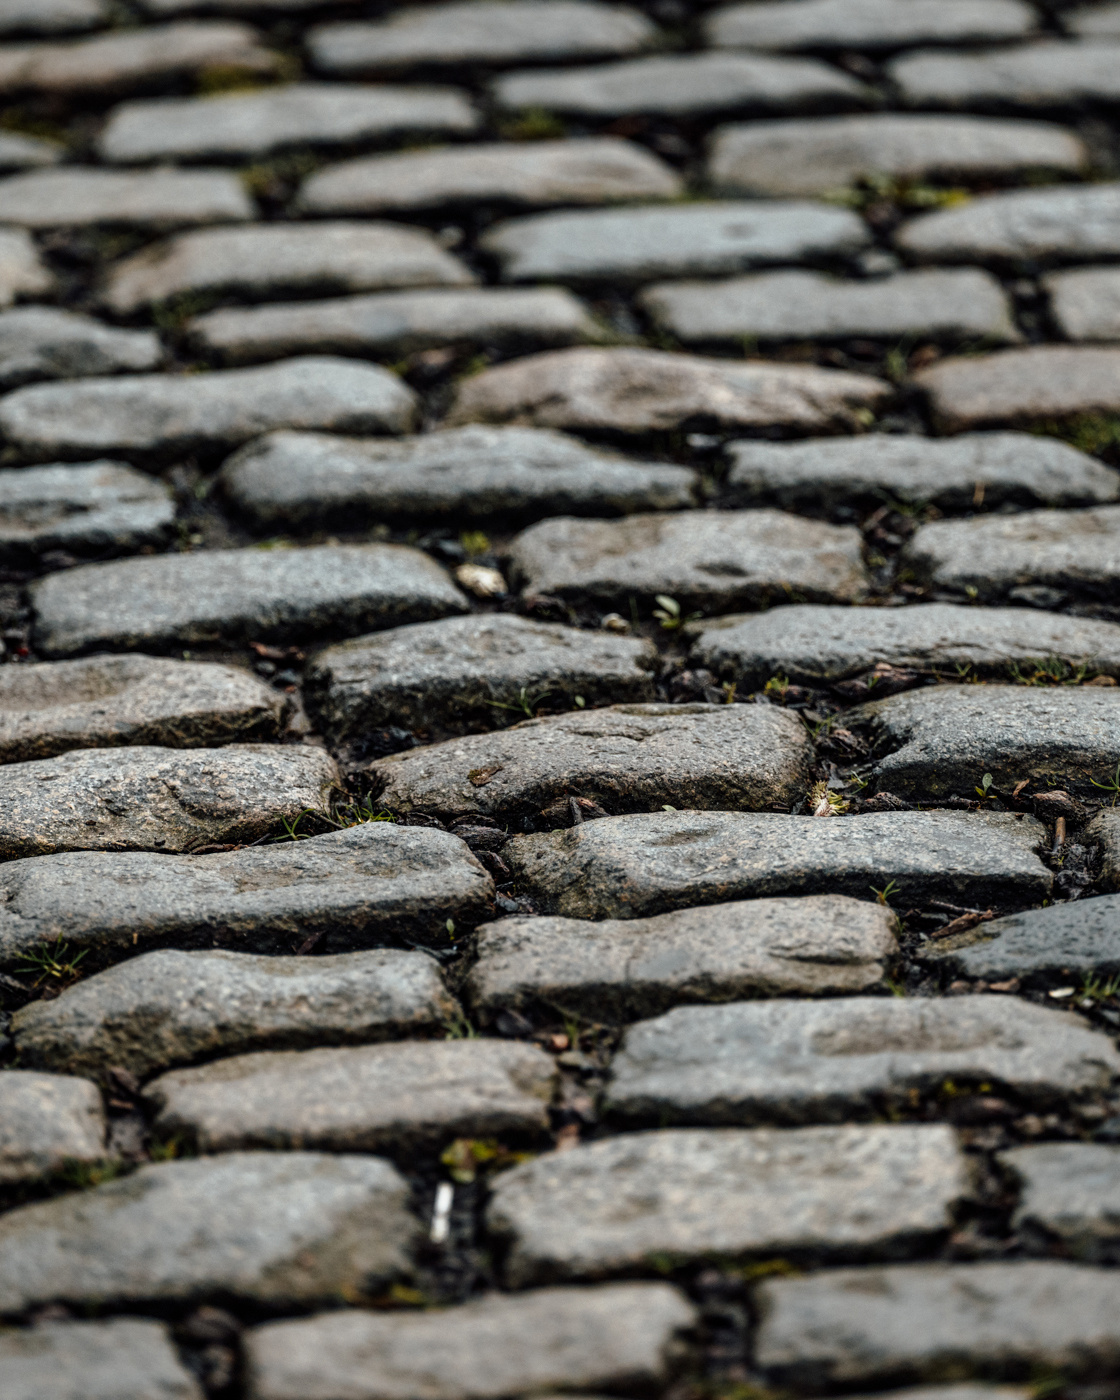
column 44, row 343
column 1070, row 1190
column 22, row 273
column 1053, row 73
column 1039, row 381
column 27, row 152
column 119, row 1359
column 867, row 24
column 51, row 16
column 151, row 199
column 99, row 508
column 1080, row 940
column 46, row 1122
column 1104, row 832
column 1085, row 303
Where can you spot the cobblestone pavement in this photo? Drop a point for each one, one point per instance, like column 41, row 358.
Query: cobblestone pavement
column 560, row 700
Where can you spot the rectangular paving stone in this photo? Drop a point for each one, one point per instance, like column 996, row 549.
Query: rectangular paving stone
column 1104, row 833
column 307, row 479
column 1068, row 941
column 46, row 1122
column 914, row 1322
column 631, row 866
column 95, row 508
column 123, row 1358
column 22, row 272
column 73, row 197
column 373, row 884
column 27, row 152
column 1069, row 1191
column 1049, row 73
column 867, row 25
column 618, row 1336
column 51, row 16
column 44, row 342
column 623, row 1203
column 827, row 1061
column 622, row 969
column 1085, row 302
column 1018, row 386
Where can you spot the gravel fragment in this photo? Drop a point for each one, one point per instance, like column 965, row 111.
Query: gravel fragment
column 22, row 273
column 47, row 1121
column 1048, row 73
column 1085, row 302
column 1070, row 1190
column 51, row 16
column 867, row 25
column 98, row 507
column 43, row 342
column 157, row 199
column 123, row 1358
column 1078, row 940
column 1016, row 386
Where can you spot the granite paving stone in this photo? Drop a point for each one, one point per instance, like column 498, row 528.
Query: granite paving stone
column 849, row 1057
column 1085, row 302
column 97, row 507
column 171, row 1008
column 620, row 1204
column 51, row 16
column 27, row 152
column 1074, row 940
column 22, row 272
column 245, row 124
column 618, row 1336
column 373, row 884
column 648, row 863
column 646, row 391
column 462, row 668
column 96, row 702
column 149, row 798
column 1095, row 21
column 621, row 969
column 122, row 1358
column 1050, row 73
column 916, row 1322
column 602, row 170
column 47, row 1121
column 1021, row 385
column 43, row 342
column 711, row 560
column 867, row 25
column 1104, row 833
column 161, row 416
column 167, row 198
column 818, row 157
column 1071, row 1191
column 277, row 1230
column 306, row 479
column 263, row 594
column 701, row 239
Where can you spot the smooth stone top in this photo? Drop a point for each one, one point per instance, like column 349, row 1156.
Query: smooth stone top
column 1070, row 1190
column 1038, row 381
column 22, row 271
column 1075, row 940
column 51, row 16
column 27, row 152
column 1049, row 73
column 866, row 24
column 98, row 507
column 74, row 196
column 1085, row 302
column 123, row 1358
column 44, row 342
column 47, row 1120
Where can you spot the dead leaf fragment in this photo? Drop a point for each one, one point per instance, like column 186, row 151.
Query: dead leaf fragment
column 479, row 777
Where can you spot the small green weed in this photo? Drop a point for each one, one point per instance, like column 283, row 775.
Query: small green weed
column 1100, row 988
column 885, row 895
column 1112, row 786
column 668, row 613
column 984, row 791
column 84, row 1176
column 457, row 1027
column 528, row 702
column 51, row 962
column 533, row 124
column 474, row 542
column 1095, row 433
column 466, row 1158
column 1051, row 670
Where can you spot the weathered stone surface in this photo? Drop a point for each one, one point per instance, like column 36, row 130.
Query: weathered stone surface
column 277, row 1229
column 51, row 16
column 27, row 152
column 255, row 123
column 105, row 701
column 684, row 85
column 394, row 324
column 268, row 8
column 267, row 594
column 145, row 798
column 1104, row 832
column 1050, row 73
column 630, row 866
column 713, row 560
column 624, row 758
column 867, row 24
column 615, row 1337
column 816, row 157
column 162, row 415
column 1085, row 302
column 461, row 668
column 911, row 1322
column 616, row 1205
column 267, row 260
column 47, row 1120
column 75, row 196
column 1070, row 1190
column 22, row 273
column 935, row 304
column 98, row 507
column 43, row 342
column 604, row 170
column 170, row 1008
column 1077, row 940
column 974, row 470
column 305, row 479
column 372, row 884
column 406, row 1098
column 644, row 391
column 1038, row 381
column 480, row 32
column 123, row 1358
column 827, row 1061
column 622, row 969
column 1094, row 21
column 811, row 644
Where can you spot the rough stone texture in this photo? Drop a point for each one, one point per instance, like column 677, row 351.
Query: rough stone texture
column 867, row 25
column 99, row 507
column 684, row 85
column 105, row 701
column 267, row 260
column 604, row 170
column 630, row 866
column 998, row 468
column 912, row 1322
column 1070, row 1190
column 46, row 1121
column 27, row 152
column 1038, row 381
column 51, row 16
column 42, row 342
column 703, row 239
column 163, row 415
column 76, row 196
column 123, row 1358
column 616, row 1337
column 827, row 1061
column 624, row 1203
column 934, row 304
column 646, row 391
column 22, row 273
column 371, row 884
column 1104, row 832
column 146, row 798
column 404, row 1098
column 816, row 157
column 171, row 1008
column 624, row 758
column 1085, row 302
column 814, row 645
column 622, row 969
column 1051, row 73
column 1078, row 941
column 262, row 594
column 290, row 1230
column 304, row 479
column 255, row 123
column 712, row 559
column 460, row 668
column 480, row 32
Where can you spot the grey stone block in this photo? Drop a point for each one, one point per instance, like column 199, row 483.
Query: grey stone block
column 622, row 969
column 1104, row 832
column 43, row 342
column 267, row 8
column 27, row 152
column 1078, row 940
column 276, row 1230
column 123, row 1358
column 73, row 197
column 51, row 16
column 22, row 273
column 1070, row 1190
column 1018, row 386
column 47, row 1121
column 867, row 25
column 634, row 1201
column 1049, row 73
column 98, row 507
column 631, row 866
column 1085, row 302
column 1095, row 21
